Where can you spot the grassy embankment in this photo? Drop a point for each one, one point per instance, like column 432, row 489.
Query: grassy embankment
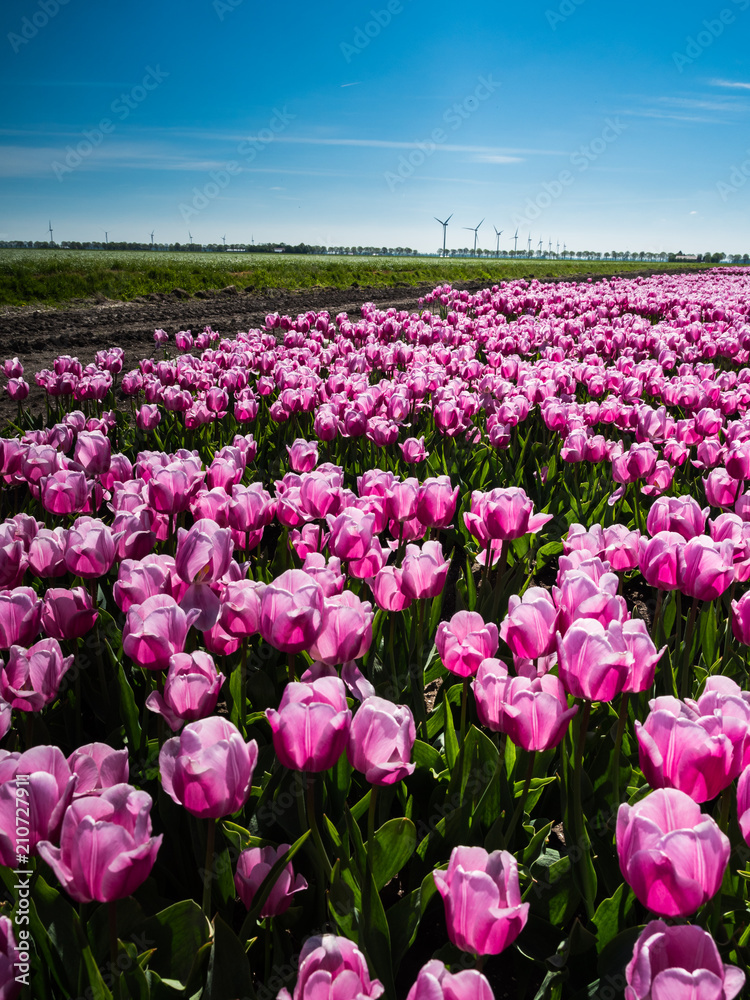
column 56, row 277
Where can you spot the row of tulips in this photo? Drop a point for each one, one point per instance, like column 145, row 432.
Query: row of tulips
column 385, row 688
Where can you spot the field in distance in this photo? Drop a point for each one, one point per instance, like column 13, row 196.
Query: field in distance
column 54, row 277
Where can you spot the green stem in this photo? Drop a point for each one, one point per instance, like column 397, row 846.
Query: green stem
column 499, row 579
column 728, row 632
column 367, row 888
column 313, row 821
column 622, row 720
column 209, row 867
column 657, row 617
column 637, row 508
column 243, row 686
column 114, row 945
column 684, row 691
column 519, row 810
column 464, row 700
column 581, row 837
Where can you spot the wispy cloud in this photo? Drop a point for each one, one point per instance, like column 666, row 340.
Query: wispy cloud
column 736, row 84
column 497, row 158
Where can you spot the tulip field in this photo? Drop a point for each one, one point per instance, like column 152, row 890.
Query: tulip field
column 403, row 656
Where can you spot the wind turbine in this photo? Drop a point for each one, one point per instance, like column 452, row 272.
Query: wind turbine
column 498, row 233
column 476, row 235
column 225, row 240
column 558, row 248
column 152, row 237
column 549, row 249
column 515, row 245
column 528, row 249
column 190, row 235
column 106, row 235
column 50, row 232
column 445, row 228
column 540, row 248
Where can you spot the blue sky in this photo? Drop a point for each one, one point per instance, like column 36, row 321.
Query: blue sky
column 602, row 126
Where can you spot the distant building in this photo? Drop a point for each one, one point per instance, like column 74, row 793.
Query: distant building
column 686, row 256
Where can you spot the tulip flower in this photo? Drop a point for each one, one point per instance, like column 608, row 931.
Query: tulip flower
column 68, row 614
column 253, row 866
column 678, row 748
column 90, row 549
column 387, row 589
column 240, row 607
column 594, row 662
column 31, row 677
column 413, row 450
column 208, row 768
column 93, row 451
column 503, row 514
column 434, row 982
column 311, row 727
column 533, row 712
column 20, row 617
column 436, row 502
column 721, row 489
column 725, row 701
column 482, row 898
column 191, row 689
column 659, row 559
column 139, row 579
column 465, row 641
column 424, row 570
column 645, row 656
column 10, row 984
column 156, row 630
column 530, row 625
column 679, row 961
column 347, row 632
column 671, row 854
column 292, row 611
column 204, row 552
column 381, row 739
column 97, row 766
column 64, row 491
column 303, row 455
column 106, row 849
column 705, row 569
column 48, row 789
column 678, row 514
column 351, row 533
column 741, row 619
column 330, row 968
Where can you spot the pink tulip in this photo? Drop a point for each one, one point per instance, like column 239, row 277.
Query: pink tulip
column 171, row 487
column 381, row 740
column 465, row 641
column 48, row 792
column 327, row 573
column 20, row 617
column 208, row 768
column 138, row 579
column 434, row 982
column 743, row 804
column 436, row 502
column 68, row 614
column 93, row 451
column 679, row 961
column 671, row 854
column 156, row 630
column 311, row 727
column 191, row 689
column 106, row 849
column 240, row 608
column 332, row 968
column 584, row 539
column 10, row 985
column 64, row 491
column 678, row 748
column 721, row 489
column 660, row 558
column 681, row 514
column 636, row 463
column 503, row 514
column 533, row 713
column 741, row 619
column 204, row 552
column 705, row 568
column 90, row 548
column 292, row 611
column 387, row 589
column 97, row 766
column 31, row 677
column 594, row 662
column 621, row 548
column 723, row 700
column 253, row 866
column 347, row 632
column 424, row 571
column 582, row 597
column 148, row 416
column 413, row 450
column 645, row 656
column 351, row 533
column 530, row 625
column 482, row 898
column 303, row 455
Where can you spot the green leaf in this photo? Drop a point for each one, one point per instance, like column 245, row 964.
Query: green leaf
column 404, row 918
column 177, row 934
column 708, row 631
column 228, row 966
column 425, row 756
column 235, row 691
column 128, row 708
column 451, row 742
column 395, row 842
column 95, row 982
column 612, row 916
column 265, row 887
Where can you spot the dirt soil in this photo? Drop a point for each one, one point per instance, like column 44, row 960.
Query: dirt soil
column 38, row 335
